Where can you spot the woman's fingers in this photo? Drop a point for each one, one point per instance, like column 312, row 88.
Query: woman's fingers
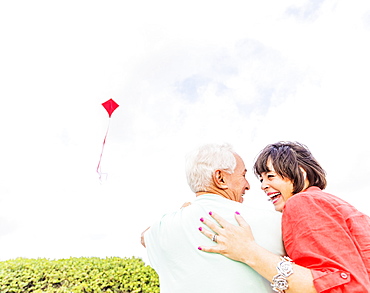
column 223, row 225
column 215, row 249
column 206, row 232
column 212, row 225
column 214, row 237
column 233, row 241
column 219, row 219
column 240, row 220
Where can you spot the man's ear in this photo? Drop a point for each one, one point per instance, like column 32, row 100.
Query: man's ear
column 219, row 179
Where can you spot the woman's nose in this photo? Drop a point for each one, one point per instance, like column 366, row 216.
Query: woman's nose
column 264, row 186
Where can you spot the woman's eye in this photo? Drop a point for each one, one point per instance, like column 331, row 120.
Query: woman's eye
column 270, row 176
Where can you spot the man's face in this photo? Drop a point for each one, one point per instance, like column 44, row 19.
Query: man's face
column 236, row 182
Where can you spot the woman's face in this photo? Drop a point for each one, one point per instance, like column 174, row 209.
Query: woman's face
column 277, row 188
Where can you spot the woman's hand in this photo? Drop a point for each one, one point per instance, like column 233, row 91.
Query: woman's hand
column 235, row 242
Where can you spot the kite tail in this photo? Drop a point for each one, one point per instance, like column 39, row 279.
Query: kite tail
column 98, row 169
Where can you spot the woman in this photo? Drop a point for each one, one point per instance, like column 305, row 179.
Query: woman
column 327, row 238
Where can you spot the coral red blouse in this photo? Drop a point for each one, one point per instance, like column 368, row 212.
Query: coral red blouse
column 332, row 238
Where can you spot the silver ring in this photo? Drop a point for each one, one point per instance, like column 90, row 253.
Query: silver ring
column 214, row 238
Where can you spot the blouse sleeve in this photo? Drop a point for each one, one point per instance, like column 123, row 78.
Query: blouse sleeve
column 316, row 236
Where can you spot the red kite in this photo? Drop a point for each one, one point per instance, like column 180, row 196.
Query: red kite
column 110, row 106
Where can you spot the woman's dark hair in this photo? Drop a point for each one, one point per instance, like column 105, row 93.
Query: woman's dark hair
column 286, row 158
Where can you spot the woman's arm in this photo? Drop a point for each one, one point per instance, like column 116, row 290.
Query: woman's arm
column 237, row 243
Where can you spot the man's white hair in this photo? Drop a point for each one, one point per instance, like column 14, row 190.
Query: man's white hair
column 202, row 162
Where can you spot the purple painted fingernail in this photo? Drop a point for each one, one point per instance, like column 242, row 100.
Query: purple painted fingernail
column 237, row 213
column 201, row 219
column 200, row 228
column 210, row 213
column 200, row 248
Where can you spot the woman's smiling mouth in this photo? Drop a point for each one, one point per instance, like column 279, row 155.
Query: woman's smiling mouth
column 274, row 196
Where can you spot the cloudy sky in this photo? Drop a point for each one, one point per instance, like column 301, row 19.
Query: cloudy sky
column 184, row 73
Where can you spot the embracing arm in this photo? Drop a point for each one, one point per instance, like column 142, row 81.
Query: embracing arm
column 142, row 239
column 237, row 243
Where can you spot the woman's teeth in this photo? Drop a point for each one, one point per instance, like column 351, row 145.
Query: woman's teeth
column 274, row 196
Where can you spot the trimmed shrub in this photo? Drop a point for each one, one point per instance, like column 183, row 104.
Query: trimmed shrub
column 78, row 275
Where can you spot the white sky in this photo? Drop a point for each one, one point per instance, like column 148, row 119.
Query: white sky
column 184, row 73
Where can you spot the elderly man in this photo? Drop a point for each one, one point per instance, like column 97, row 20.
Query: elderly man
column 216, row 174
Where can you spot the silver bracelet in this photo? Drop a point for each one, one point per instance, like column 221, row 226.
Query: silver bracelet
column 285, row 269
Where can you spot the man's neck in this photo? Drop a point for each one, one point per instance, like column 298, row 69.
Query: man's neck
column 213, row 191
column 203, row 192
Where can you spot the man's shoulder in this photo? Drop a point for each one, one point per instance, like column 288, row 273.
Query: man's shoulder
column 259, row 212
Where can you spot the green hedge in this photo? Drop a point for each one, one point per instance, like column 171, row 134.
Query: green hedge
column 77, row 275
